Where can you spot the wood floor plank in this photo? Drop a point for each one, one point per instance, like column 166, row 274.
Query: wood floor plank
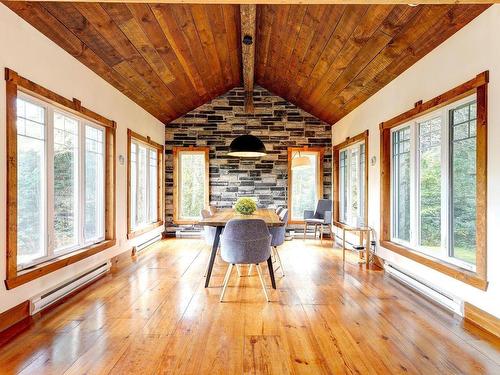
column 153, row 315
column 265, row 355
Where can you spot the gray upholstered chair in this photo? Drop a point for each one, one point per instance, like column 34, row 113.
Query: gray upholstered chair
column 245, row 241
column 278, row 238
column 321, row 216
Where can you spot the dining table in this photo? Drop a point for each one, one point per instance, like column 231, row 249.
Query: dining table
column 219, row 220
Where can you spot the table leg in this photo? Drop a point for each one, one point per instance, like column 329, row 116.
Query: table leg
column 212, row 255
column 368, row 249
column 271, row 272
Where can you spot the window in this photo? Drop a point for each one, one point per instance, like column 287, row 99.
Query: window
column 305, row 185
column 434, row 161
column 144, row 194
column 191, row 193
column 60, row 205
column 433, row 183
column 61, row 199
column 352, row 181
column 351, row 178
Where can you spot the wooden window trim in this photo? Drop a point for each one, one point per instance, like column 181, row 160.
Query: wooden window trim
column 319, row 183
column 362, row 137
column 478, row 86
column 14, row 84
column 175, row 152
column 159, row 189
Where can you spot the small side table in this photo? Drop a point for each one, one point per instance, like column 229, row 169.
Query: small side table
column 365, row 233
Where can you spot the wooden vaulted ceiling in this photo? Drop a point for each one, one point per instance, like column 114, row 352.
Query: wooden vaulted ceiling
column 169, row 59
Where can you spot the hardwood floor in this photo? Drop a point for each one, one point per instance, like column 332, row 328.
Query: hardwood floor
column 154, row 316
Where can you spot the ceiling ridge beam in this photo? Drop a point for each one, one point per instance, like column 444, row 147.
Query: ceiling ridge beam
column 248, row 26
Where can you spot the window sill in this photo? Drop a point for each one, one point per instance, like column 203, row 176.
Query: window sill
column 463, row 275
column 143, row 230
column 57, row 263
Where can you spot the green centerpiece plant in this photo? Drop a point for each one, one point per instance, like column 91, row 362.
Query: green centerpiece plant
column 245, row 206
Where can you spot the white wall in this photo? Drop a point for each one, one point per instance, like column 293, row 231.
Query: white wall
column 35, row 57
column 467, row 53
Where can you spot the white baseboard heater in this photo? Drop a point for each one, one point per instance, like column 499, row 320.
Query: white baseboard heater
column 445, row 299
column 146, row 243
column 45, row 299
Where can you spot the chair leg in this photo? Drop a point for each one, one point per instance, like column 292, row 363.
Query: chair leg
column 250, row 268
column 259, row 271
column 305, row 229
column 238, row 270
column 279, row 261
column 321, row 234
column 226, row 281
column 315, row 230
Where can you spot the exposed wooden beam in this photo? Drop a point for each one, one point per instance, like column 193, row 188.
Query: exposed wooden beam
column 248, row 19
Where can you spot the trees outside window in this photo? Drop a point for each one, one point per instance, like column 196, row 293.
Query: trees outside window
column 434, row 183
column 305, row 185
column 60, row 182
column 144, row 190
column 352, row 184
column 191, row 183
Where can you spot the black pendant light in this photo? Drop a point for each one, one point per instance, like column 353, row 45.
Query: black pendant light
column 247, row 146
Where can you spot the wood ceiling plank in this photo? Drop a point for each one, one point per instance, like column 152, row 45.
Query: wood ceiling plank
column 288, row 43
column 160, row 76
column 265, row 17
column 182, row 15
column 367, row 26
column 349, row 21
column 125, row 20
column 310, row 39
column 366, row 53
column 455, row 19
column 181, row 86
column 428, row 21
column 97, row 16
column 206, row 37
column 398, row 18
column 178, row 42
column 170, row 59
column 277, row 28
column 44, row 21
column 70, row 17
column 363, row 58
column 231, row 16
column 219, row 36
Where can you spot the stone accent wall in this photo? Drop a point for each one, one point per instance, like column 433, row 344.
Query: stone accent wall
column 278, row 123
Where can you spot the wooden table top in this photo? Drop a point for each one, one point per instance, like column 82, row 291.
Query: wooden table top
column 222, row 216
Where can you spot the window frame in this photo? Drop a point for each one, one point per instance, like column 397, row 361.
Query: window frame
column 319, row 180
column 349, row 142
column 131, row 137
column 476, row 86
column 445, row 193
column 176, row 151
column 49, row 128
column 15, row 85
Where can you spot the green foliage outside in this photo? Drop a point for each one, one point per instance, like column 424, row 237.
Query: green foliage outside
column 192, row 199
column 304, row 189
column 30, row 200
